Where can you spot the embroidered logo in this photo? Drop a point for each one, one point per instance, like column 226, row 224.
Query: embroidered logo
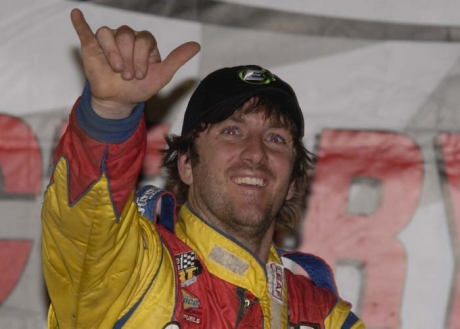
column 192, row 318
column 191, row 305
column 189, row 268
column 189, row 300
column 275, row 274
column 142, row 200
column 256, row 76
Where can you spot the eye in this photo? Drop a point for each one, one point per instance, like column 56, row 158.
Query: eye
column 275, row 138
column 231, row 131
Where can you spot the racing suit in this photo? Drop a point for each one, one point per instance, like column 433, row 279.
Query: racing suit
column 110, row 261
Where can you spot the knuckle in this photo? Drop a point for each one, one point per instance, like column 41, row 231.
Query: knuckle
column 146, row 37
column 145, row 34
column 124, row 30
column 103, row 30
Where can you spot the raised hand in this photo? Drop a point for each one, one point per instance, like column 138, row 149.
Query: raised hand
column 124, row 66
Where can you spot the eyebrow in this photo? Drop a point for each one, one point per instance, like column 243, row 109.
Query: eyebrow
column 278, row 125
column 238, row 119
column 241, row 119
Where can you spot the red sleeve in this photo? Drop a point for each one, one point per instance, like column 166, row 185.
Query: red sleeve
column 307, row 302
column 88, row 159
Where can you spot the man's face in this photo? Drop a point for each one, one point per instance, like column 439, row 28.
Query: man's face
column 243, row 174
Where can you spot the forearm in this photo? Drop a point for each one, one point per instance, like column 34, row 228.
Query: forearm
column 93, row 146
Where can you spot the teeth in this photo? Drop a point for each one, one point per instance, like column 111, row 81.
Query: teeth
column 249, row 181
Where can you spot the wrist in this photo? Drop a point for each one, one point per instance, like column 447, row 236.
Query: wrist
column 111, row 109
column 106, row 130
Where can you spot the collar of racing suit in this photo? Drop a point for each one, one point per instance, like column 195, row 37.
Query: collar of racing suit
column 231, row 261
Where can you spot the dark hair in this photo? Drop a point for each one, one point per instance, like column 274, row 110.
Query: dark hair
column 292, row 210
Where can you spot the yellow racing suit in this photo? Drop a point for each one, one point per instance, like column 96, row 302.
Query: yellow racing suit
column 111, row 261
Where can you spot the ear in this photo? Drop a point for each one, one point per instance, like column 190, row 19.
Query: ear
column 185, row 169
column 291, row 190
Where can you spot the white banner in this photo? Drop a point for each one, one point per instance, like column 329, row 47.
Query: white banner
column 382, row 114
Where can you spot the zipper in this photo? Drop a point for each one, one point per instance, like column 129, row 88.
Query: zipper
column 244, row 304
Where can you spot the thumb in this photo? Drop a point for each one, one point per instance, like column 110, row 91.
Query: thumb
column 178, row 57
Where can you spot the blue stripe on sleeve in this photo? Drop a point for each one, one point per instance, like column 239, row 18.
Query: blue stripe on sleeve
column 350, row 321
column 317, row 269
column 106, row 130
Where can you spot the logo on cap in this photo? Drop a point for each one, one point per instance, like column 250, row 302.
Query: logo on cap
column 256, row 76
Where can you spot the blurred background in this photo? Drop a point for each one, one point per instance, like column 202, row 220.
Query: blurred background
column 378, row 82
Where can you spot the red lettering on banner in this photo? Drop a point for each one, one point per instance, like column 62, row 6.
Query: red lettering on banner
column 329, row 231
column 20, row 158
column 155, row 143
column 13, row 255
column 450, row 147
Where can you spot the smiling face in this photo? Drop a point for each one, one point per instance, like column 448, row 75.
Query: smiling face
column 243, row 175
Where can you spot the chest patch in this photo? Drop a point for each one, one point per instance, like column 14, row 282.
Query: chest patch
column 275, row 275
column 228, row 260
column 188, row 268
column 192, row 311
column 189, row 300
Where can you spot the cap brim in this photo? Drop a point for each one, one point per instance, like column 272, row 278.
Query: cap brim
column 286, row 103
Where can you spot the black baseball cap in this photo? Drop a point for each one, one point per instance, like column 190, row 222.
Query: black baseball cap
column 224, row 91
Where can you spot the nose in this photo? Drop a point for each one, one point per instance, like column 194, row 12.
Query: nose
column 253, row 150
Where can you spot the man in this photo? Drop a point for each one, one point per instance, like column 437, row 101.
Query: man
column 239, row 170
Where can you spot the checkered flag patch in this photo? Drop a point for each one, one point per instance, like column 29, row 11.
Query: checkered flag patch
column 185, row 260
